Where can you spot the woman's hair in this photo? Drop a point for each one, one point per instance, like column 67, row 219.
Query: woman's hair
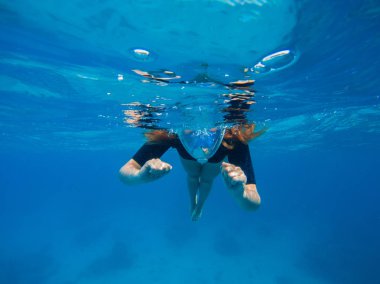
column 243, row 133
column 156, row 136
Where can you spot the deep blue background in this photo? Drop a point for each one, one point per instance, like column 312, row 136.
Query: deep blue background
column 66, row 216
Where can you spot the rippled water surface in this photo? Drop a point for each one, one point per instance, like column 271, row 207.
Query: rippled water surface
column 68, row 71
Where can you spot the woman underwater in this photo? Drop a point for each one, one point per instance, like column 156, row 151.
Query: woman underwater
column 216, row 145
column 237, row 172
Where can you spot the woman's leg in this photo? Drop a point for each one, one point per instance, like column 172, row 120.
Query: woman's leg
column 193, row 170
column 208, row 173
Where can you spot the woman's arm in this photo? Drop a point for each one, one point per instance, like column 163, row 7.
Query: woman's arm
column 240, row 178
column 145, row 165
column 132, row 173
column 245, row 194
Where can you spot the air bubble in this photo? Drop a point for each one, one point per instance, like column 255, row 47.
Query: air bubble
column 141, row 54
column 274, row 62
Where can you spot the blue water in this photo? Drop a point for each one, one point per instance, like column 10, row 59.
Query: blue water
column 67, row 97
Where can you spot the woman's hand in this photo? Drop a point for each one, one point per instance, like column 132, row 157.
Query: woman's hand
column 233, row 176
column 245, row 194
column 132, row 173
column 154, row 169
